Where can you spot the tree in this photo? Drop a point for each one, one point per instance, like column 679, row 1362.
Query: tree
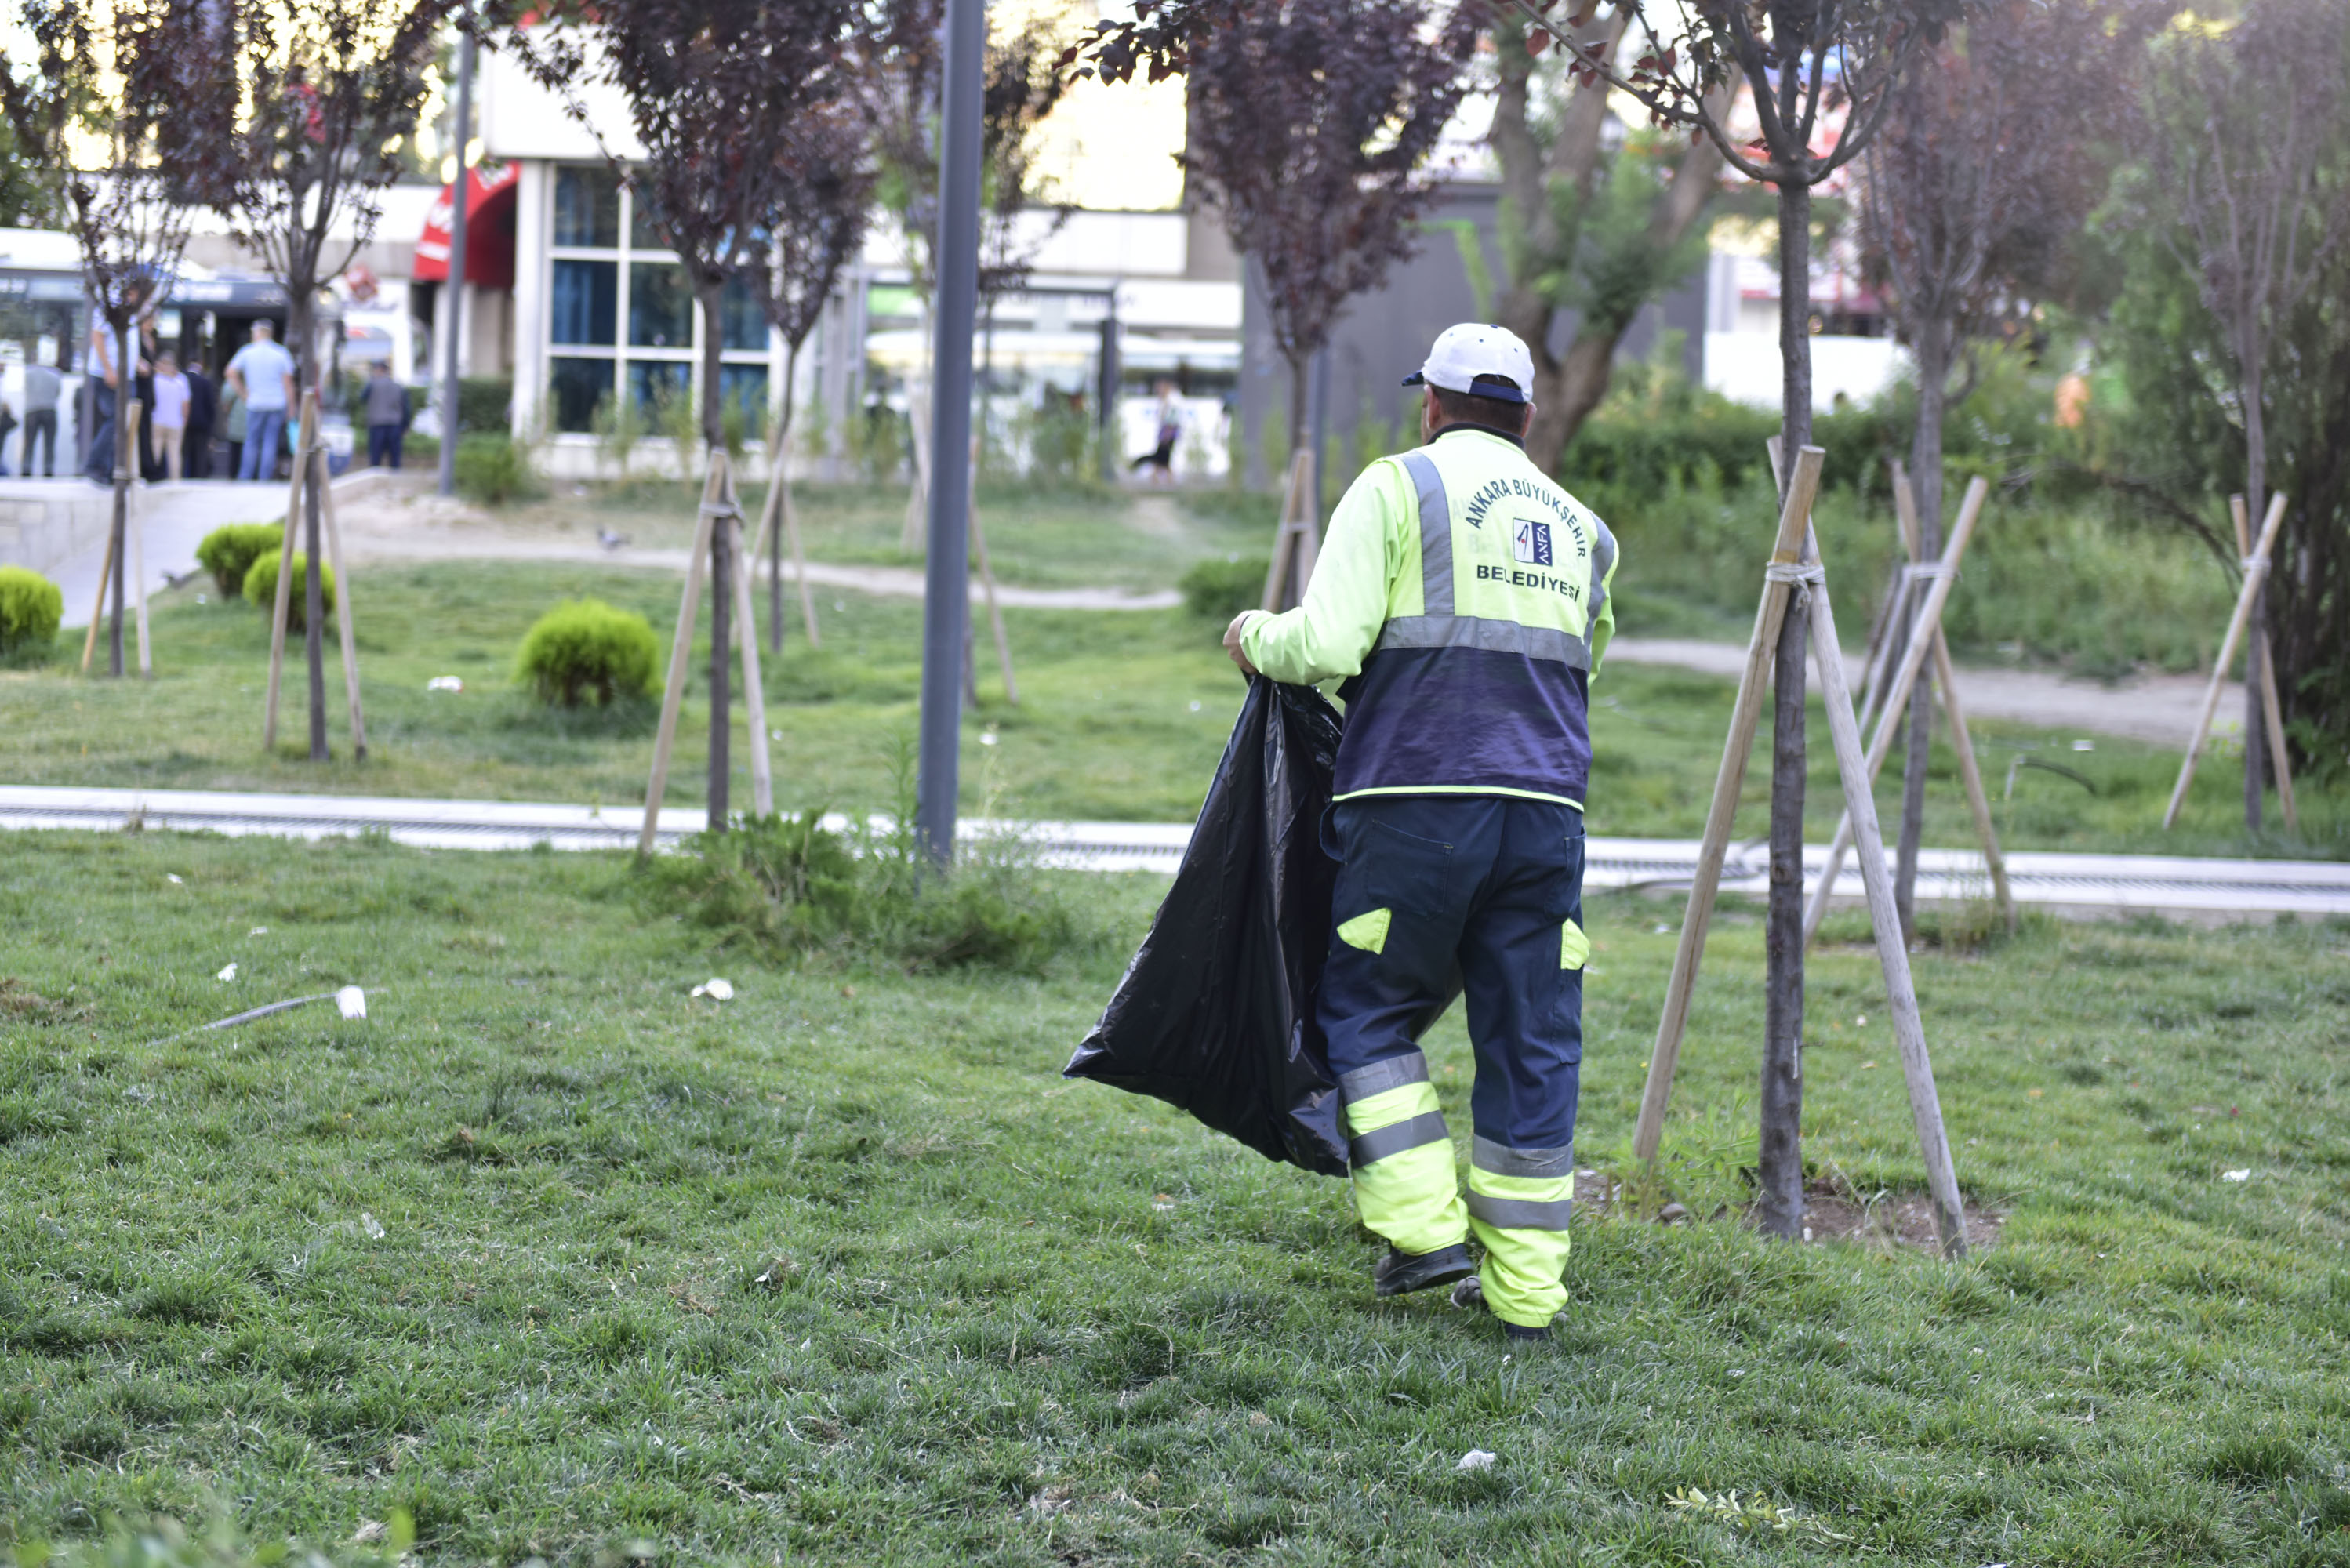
column 1311, row 122
column 716, row 91
column 816, row 226
column 1992, row 157
column 1596, row 232
column 2250, row 190
column 109, row 107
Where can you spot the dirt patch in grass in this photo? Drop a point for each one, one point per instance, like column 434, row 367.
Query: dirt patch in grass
column 1831, row 1212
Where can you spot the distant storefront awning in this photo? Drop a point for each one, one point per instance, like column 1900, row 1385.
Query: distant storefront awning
column 489, row 229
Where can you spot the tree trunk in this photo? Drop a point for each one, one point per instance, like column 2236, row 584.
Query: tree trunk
column 126, row 340
column 301, row 326
column 1933, row 350
column 1300, row 435
column 712, row 297
column 1780, row 1152
column 2256, row 735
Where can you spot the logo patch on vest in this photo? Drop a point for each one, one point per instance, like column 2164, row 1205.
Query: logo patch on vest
column 1530, row 542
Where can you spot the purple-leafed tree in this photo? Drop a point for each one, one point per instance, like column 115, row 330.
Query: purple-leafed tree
column 112, row 107
column 1310, row 125
column 716, row 89
column 1992, row 157
column 2250, row 192
column 327, row 95
column 816, row 226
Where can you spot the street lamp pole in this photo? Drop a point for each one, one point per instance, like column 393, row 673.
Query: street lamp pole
column 455, row 284
column 946, row 594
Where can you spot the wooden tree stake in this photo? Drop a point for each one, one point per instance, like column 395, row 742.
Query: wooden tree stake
column 135, row 527
column 1923, row 630
column 342, row 610
column 2256, row 571
column 1295, row 539
column 1761, row 649
column 2272, row 711
column 285, row 552
column 995, row 611
column 1892, row 952
column 779, row 527
column 755, row 694
column 681, row 655
column 98, row 610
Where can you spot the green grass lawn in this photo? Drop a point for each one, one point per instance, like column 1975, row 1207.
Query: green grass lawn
column 1074, row 538
column 561, row 1262
column 1122, row 717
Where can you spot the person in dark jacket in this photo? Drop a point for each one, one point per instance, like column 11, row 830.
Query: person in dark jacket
column 203, row 410
column 386, row 417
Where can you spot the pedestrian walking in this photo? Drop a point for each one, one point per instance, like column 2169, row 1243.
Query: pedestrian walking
column 170, row 418
column 43, row 385
column 263, row 374
column 1168, row 430
column 1464, row 597
column 236, row 420
column 386, row 417
column 203, row 410
column 107, row 381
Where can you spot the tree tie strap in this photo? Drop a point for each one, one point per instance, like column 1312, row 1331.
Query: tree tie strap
column 1795, row 572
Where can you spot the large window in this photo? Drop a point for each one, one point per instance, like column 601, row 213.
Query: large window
column 621, row 319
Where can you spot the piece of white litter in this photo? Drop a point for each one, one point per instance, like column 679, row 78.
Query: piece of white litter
column 716, row 989
column 1195, row 707
column 2245, row 1175
column 172, row 877
column 352, row 1000
column 775, row 734
column 258, row 931
column 228, row 973
column 444, row 683
column 369, row 1223
column 987, row 738
column 1475, row 1459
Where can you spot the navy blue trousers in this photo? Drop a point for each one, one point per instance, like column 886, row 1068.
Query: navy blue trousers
column 1479, row 885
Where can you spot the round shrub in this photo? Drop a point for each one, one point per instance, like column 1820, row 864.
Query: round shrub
column 587, row 651
column 1218, row 590
column 30, row 607
column 229, row 550
column 261, row 589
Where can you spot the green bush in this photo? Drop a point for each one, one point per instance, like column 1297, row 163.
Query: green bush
column 261, row 587
column 787, row 885
column 484, row 406
column 30, row 608
column 1219, row 589
column 587, row 651
column 493, row 470
column 229, row 550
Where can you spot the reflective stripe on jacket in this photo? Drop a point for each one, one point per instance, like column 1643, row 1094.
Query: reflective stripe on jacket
column 1463, row 596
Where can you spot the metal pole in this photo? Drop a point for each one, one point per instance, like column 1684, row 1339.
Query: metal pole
column 946, row 593
column 456, row 280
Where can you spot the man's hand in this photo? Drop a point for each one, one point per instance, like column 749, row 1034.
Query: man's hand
column 1232, row 642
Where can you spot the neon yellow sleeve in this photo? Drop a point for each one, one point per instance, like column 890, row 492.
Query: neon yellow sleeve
column 1333, row 631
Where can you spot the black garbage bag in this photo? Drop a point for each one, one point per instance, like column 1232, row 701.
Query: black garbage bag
column 1216, row 1012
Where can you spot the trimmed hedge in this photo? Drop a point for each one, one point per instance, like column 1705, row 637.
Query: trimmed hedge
column 587, row 651
column 1219, row 589
column 261, row 589
column 30, row 607
column 229, row 550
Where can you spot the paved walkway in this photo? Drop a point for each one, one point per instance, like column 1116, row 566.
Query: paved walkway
column 2087, row 886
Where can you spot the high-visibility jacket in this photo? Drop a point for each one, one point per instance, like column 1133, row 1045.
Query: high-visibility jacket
column 1463, row 596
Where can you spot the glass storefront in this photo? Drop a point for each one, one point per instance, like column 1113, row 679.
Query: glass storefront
column 622, row 318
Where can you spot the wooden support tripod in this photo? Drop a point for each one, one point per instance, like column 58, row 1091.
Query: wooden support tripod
column 310, row 479
column 1925, row 637
column 718, row 509
column 2256, row 571
column 1794, row 565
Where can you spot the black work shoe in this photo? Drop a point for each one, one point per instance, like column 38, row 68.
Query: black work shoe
column 1400, row 1273
column 1522, row 1334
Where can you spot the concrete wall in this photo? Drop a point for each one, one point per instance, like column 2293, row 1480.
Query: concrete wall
column 47, row 522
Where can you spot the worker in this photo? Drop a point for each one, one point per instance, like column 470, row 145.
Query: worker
column 1462, row 598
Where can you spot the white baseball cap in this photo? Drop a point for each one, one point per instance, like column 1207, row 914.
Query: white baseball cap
column 1483, row 361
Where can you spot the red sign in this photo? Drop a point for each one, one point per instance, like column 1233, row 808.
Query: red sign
column 489, row 229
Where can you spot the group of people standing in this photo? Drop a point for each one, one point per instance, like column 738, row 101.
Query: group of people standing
column 185, row 411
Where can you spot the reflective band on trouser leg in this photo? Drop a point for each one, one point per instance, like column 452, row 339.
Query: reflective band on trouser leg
column 1522, row 1222
column 1405, row 1186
